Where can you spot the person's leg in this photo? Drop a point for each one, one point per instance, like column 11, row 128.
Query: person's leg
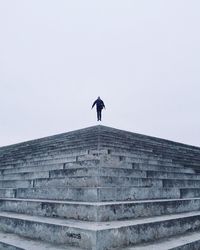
column 100, row 115
column 98, row 118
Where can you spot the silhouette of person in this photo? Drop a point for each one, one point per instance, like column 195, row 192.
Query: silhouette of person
column 99, row 105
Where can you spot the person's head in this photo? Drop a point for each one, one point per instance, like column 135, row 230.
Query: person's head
column 99, row 97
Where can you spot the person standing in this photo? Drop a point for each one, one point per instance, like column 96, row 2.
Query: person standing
column 99, row 106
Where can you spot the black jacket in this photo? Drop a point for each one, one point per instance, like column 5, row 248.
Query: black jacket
column 99, row 104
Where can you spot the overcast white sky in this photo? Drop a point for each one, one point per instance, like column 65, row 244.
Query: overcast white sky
column 141, row 56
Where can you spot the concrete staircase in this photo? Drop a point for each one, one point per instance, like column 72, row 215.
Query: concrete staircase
column 99, row 188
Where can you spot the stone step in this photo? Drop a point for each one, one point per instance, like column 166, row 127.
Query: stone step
column 97, row 194
column 78, row 177
column 95, row 171
column 100, row 193
column 178, row 183
column 189, row 192
column 130, row 233
column 156, row 174
column 52, row 230
column 150, row 158
column 86, row 211
column 38, row 162
column 98, row 181
column 137, row 193
column 58, row 171
column 151, row 167
column 125, row 165
column 189, row 241
column 171, row 175
column 58, row 193
column 95, row 211
column 14, row 242
column 101, row 235
column 83, row 181
column 25, row 176
column 91, row 164
column 7, row 193
column 16, row 183
column 49, row 159
column 60, row 159
column 120, row 172
column 125, row 210
column 141, row 159
column 16, row 170
column 166, row 153
column 138, row 156
column 49, row 167
column 111, row 173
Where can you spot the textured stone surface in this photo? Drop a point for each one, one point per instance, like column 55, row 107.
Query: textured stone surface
column 99, row 189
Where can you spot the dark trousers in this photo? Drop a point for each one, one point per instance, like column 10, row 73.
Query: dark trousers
column 99, row 114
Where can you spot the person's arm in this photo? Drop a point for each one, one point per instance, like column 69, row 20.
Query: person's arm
column 93, row 104
column 103, row 105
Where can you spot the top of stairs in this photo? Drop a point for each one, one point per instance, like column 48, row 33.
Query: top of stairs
column 98, row 138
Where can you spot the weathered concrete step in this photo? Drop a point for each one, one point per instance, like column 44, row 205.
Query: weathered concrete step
column 52, row 230
column 98, row 163
column 121, row 172
column 149, row 142
column 95, row 163
column 156, row 174
column 99, row 235
column 14, row 242
column 66, row 145
column 161, row 162
column 137, row 193
column 7, row 193
column 100, row 193
column 108, row 211
column 83, row 181
column 58, row 193
column 97, row 194
column 181, row 183
column 138, row 171
column 146, row 208
column 94, row 171
column 99, row 211
column 171, row 175
column 86, row 211
column 98, row 181
column 42, row 161
column 133, row 155
column 24, row 158
column 38, row 163
column 143, row 159
column 189, row 241
column 17, row 170
column 16, row 184
column 189, row 192
column 151, row 167
column 129, row 233
column 25, row 176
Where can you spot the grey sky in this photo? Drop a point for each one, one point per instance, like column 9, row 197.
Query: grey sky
column 141, row 56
